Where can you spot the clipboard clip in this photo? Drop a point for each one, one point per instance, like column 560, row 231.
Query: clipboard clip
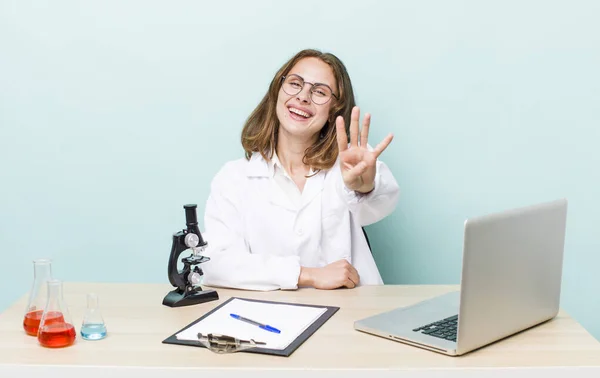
column 226, row 344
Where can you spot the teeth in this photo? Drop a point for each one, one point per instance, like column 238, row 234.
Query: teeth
column 300, row 112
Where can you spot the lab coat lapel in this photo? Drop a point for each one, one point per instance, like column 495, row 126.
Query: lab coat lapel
column 312, row 188
column 257, row 166
column 260, row 168
column 278, row 197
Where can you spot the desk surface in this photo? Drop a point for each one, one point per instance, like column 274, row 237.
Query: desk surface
column 137, row 323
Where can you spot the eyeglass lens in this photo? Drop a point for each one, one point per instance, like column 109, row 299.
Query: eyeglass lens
column 319, row 93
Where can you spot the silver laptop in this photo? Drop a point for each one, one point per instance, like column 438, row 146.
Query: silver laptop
column 511, row 281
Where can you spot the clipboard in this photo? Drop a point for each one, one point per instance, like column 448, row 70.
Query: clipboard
column 329, row 312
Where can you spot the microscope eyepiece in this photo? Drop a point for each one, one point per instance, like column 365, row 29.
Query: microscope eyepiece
column 191, row 221
column 190, row 214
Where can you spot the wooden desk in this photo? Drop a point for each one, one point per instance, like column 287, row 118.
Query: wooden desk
column 137, row 323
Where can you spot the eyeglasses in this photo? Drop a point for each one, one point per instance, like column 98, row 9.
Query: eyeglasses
column 320, row 93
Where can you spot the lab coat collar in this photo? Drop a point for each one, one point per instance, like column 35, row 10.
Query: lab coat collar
column 276, row 164
column 314, row 185
column 259, row 167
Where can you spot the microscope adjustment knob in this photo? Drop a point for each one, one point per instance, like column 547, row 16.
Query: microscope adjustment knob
column 191, row 240
column 194, row 278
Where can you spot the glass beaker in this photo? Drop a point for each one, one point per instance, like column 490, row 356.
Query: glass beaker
column 93, row 327
column 42, row 272
column 56, row 328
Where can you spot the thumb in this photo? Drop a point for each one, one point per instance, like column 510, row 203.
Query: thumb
column 358, row 169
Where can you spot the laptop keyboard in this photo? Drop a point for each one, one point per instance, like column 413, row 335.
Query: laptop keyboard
column 444, row 329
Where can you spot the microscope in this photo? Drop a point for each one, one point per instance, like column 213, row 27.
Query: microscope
column 188, row 291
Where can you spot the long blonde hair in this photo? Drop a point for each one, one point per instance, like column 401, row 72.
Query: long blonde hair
column 261, row 129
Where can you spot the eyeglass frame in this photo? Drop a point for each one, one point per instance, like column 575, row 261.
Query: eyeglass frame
column 312, row 85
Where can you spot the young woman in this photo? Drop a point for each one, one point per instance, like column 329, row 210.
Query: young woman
column 291, row 213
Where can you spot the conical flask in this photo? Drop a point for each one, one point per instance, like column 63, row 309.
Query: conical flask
column 93, row 327
column 42, row 272
column 56, row 328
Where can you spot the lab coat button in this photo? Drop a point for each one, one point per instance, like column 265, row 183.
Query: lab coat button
column 299, row 231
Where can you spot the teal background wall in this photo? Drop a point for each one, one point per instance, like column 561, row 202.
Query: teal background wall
column 114, row 114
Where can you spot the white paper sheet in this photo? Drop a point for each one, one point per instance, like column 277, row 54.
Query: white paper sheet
column 290, row 320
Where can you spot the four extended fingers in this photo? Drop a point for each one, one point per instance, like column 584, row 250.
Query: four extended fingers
column 342, row 139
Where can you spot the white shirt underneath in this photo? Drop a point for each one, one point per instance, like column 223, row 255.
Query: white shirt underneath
column 285, row 182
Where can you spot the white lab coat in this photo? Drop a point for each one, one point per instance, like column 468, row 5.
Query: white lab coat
column 257, row 240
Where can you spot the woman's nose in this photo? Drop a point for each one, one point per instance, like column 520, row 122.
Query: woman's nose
column 304, row 94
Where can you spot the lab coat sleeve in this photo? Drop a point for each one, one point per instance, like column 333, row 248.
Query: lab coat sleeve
column 232, row 263
column 377, row 204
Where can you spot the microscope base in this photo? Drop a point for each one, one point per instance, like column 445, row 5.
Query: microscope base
column 179, row 298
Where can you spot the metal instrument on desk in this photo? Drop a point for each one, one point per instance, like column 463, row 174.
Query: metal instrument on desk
column 227, row 344
column 187, row 281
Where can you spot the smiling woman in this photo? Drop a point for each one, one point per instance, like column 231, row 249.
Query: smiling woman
column 290, row 214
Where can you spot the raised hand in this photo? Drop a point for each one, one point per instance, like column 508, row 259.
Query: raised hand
column 356, row 161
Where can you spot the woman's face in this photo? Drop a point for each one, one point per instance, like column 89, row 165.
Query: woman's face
column 298, row 115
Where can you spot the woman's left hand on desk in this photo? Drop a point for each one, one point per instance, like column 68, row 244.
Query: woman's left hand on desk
column 332, row 276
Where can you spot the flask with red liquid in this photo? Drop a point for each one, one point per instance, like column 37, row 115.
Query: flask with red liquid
column 42, row 272
column 56, row 328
